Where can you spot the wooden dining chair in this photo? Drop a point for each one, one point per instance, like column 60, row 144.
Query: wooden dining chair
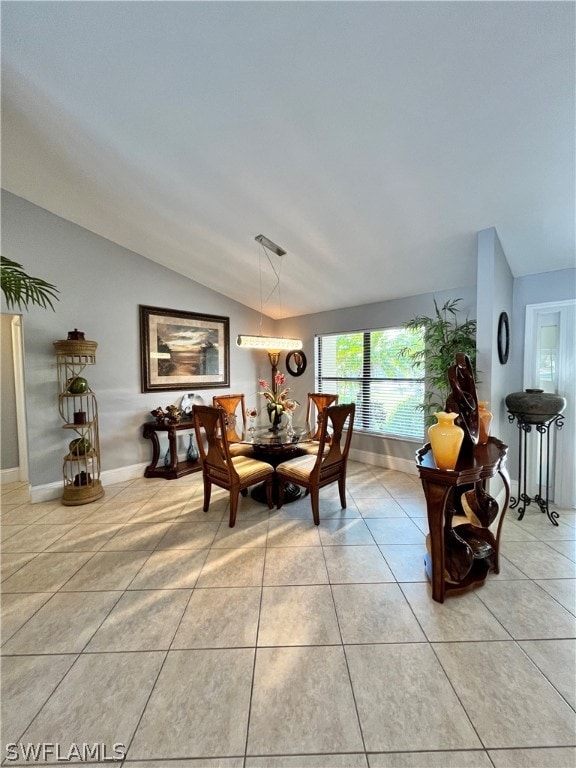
column 235, row 409
column 317, row 401
column 313, row 472
column 233, row 473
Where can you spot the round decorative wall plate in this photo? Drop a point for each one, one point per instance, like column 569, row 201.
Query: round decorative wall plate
column 296, row 362
column 503, row 338
column 186, row 404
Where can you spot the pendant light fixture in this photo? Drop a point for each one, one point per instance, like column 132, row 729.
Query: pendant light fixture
column 269, row 343
column 272, row 344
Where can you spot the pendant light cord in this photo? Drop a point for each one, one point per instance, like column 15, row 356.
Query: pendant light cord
column 275, row 287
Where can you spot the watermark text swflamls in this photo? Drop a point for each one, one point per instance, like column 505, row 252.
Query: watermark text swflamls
column 47, row 751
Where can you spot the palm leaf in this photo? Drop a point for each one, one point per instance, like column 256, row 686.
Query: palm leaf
column 444, row 337
column 21, row 290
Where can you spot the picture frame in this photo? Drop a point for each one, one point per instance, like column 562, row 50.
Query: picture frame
column 183, row 350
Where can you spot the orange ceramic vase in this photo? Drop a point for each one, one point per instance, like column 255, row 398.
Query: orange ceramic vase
column 485, row 422
column 446, row 440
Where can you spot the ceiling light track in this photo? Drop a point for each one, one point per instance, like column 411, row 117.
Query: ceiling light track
column 263, row 240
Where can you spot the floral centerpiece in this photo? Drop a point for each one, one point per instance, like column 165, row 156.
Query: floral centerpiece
column 277, row 400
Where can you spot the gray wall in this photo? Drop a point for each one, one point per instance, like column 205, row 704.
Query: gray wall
column 536, row 289
column 533, row 289
column 382, row 315
column 102, row 284
column 495, row 287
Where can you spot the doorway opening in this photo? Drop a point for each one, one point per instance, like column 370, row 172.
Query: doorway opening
column 14, row 431
column 549, row 364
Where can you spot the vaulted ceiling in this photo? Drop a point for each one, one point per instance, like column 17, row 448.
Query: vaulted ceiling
column 371, row 140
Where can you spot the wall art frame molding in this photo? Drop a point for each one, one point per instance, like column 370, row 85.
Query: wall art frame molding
column 183, row 350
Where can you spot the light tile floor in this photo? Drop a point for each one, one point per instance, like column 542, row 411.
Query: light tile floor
column 140, row 620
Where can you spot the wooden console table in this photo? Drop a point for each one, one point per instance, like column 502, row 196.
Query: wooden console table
column 176, row 468
column 461, row 556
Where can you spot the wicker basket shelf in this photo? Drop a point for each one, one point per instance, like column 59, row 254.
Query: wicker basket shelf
column 74, row 495
column 73, row 347
column 80, row 473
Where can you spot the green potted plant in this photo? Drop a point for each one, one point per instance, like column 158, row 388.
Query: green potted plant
column 20, row 289
column 444, row 337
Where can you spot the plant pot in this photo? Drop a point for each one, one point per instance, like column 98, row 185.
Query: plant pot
column 534, row 406
column 275, row 417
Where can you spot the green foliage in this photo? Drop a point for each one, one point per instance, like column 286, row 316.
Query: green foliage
column 386, row 347
column 371, row 372
column 350, row 354
column 402, row 415
column 444, row 337
column 20, row 289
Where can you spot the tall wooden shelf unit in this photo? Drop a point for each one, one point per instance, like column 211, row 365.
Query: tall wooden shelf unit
column 79, row 411
column 451, row 530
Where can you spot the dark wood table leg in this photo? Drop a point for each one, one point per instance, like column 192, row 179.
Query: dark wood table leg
column 436, row 496
column 291, row 492
column 150, row 434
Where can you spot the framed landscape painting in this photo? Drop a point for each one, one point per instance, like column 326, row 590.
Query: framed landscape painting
column 183, row 350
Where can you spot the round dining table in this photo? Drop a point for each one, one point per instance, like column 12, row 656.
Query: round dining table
column 274, row 448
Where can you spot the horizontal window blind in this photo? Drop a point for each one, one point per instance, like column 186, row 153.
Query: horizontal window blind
column 367, row 368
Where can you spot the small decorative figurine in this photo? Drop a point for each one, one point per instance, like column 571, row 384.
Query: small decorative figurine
column 463, row 399
column 159, row 415
column 174, row 414
column 83, row 478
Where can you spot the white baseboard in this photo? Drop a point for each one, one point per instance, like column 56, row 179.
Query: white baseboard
column 47, row 492
column 14, row 475
column 124, row 474
column 381, row 460
column 409, row 466
column 52, row 491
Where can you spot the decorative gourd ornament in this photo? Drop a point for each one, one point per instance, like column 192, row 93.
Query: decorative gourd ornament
column 80, row 446
column 77, row 385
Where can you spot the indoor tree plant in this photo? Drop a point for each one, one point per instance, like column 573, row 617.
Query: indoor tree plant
column 20, row 289
column 444, row 337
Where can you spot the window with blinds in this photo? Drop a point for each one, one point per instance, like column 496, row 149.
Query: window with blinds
column 366, row 368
